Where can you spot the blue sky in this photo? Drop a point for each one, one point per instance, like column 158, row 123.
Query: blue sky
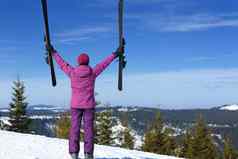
column 181, row 54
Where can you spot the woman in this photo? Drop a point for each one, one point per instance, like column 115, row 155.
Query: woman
column 83, row 103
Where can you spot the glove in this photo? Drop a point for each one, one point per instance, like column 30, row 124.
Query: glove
column 49, row 49
column 119, row 51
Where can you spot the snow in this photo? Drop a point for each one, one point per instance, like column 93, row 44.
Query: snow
column 5, row 120
column 138, row 140
column 116, row 130
column 5, row 110
column 123, row 109
column 177, row 131
column 218, row 136
column 126, row 109
column 219, row 126
column 119, row 128
column 42, row 117
column 25, row 146
column 233, row 107
column 46, row 108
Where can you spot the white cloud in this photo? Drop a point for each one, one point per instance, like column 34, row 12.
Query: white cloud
column 151, row 1
column 172, row 89
column 38, row 90
column 200, row 59
column 183, row 88
column 83, row 33
column 165, row 22
column 73, row 40
column 134, row 1
column 210, row 58
column 188, row 24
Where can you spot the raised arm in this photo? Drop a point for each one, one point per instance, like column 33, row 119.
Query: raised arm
column 63, row 64
column 99, row 68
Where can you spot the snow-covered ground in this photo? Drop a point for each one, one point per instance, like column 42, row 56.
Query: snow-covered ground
column 126, row 109
column 119, row 128
column 219, row 126
column 5, row 120
column 233, row 107
column 25, row 146
column 41, row 117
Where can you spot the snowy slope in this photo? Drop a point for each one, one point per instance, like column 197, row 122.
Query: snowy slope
column 233, row 107
column 24, row 146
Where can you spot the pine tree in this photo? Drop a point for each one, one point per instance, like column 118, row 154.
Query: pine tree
column 169, row 145
column 187, row 141
column 150, row 142
column 158, row 139
column 153, row 137
column 63, row 126
column 19, row 121
column 202, row 146
column 128, row 141
column 104, row 128
column 229, row 152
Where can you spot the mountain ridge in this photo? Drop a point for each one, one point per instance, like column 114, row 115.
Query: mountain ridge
column 221, row 122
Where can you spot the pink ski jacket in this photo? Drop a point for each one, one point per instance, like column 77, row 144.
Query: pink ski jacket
column 83, row 80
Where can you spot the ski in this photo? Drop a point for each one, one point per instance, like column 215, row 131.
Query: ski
column 122, row 61
column 47, row 40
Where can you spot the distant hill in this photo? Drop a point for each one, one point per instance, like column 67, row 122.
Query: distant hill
column 222, row 120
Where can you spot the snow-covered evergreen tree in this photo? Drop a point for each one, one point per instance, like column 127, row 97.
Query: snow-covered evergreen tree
column 19, row 121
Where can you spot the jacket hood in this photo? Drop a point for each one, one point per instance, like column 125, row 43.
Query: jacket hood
column 84, row 71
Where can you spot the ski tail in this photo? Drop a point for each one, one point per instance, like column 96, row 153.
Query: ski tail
column 47, row 40
column 120, row 76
